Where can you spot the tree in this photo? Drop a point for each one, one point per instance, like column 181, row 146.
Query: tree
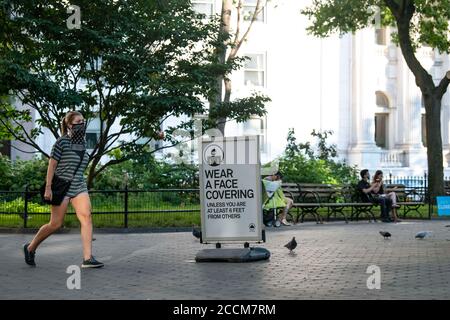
column 418, row 22
column 132, row 62
column 303, row 163
column 220, row 99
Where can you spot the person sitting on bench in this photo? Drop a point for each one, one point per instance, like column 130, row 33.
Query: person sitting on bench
column 366, row 192
column 275, row 198
column 378, row 191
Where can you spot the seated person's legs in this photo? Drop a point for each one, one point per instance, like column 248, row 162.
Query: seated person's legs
column 389, row 208
column 385, row 208
column 289, row 204
column 382, row 205
column 393, row 197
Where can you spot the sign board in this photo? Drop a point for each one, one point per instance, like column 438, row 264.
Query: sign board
column 230, row 189
column 443, row 206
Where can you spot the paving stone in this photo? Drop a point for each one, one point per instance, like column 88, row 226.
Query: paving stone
column 330, row 263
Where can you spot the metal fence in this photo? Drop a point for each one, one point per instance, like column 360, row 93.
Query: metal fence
column 139, row 208
column 110, row 208
column 413, row 184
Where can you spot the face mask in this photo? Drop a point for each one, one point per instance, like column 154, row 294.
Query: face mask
column 79, row 127
column 78, row 136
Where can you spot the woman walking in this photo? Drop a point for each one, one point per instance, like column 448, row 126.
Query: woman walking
column 68, row 160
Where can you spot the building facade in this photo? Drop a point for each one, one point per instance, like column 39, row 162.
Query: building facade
column 357, row 85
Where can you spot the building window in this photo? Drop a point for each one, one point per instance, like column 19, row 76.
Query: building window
column 249, row 8
column 96, row 63
column 204, row 7
column 257, row 126
column 5, row 148
column 424, row 131
column 254, row 73
column 381, row 130
column 91, row 140
column 380, row 36
column 93, row 133
column 382, row 100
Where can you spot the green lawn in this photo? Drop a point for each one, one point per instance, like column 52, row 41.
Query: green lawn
column 164, row 209
column 135, row 220
column 154, row 219
column 108, row 211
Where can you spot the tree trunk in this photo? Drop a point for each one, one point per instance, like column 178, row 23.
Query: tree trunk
column 434, row 146
column 226, row 98
column 227, row 6
column 91, row 174
column 432, row 98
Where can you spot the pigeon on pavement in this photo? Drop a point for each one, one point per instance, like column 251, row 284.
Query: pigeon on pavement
column 422, row 234
column 291, row 245
column 385, row 234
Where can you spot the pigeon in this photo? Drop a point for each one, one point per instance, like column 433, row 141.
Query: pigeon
column 291, row 245
column 196, row 233
column 385, row 234
column 422, row 234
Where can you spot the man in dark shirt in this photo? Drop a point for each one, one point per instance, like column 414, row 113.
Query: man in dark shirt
column 366, row 194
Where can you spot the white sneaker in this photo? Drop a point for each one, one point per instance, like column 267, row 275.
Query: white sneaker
column 285, row 223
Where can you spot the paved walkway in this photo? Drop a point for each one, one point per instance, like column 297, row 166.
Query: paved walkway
column 330, row 263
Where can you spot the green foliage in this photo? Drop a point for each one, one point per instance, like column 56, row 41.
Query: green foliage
column 302, row 164
column 429, row 22
column 16, row 175
column 144, row 174
column 141, row 61
column 240, row 109
column 18, row 206
column 7, row 176
column 148, row 173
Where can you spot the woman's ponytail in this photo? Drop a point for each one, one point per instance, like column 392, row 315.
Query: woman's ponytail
column 63, row 126
column 68, row 118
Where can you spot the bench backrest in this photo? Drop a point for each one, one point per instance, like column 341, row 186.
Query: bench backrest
column 315, row 192
column 291, row 190
column 323, row 191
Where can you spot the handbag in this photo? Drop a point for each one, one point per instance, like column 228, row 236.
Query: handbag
column 60, row 187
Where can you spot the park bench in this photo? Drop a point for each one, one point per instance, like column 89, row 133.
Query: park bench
column 309, row 198
column 305, row 202
column 410, row 200
column 336, row 198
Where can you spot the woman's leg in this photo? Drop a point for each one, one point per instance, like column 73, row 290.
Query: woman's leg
column 393, row 197
column 289, row 204
column 56, row 221
column 82, row 205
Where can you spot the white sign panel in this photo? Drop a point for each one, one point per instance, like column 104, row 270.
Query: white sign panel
column 230, row 189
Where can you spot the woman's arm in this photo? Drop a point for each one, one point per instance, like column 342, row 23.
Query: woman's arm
column 376, row 187
column 52, row 163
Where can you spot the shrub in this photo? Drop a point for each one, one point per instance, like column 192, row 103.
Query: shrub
column 16, row 175
column 300, row 163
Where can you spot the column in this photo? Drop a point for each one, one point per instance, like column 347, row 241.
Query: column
column 364, row 152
